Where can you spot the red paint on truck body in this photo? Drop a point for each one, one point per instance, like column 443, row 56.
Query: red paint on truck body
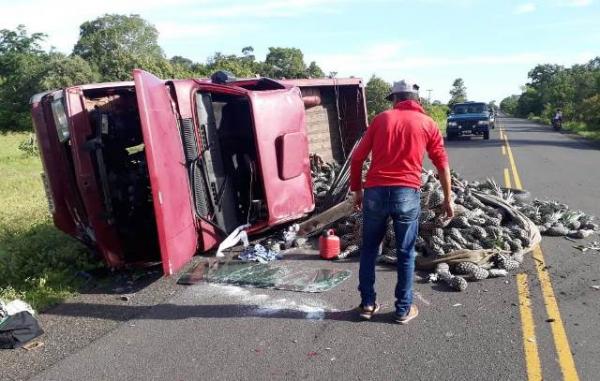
column 175, row 220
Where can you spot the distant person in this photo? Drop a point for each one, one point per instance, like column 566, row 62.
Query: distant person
column 557, row 119
column 397, row 140
column 558, row 115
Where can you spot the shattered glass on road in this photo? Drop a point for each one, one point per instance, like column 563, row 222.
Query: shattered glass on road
column 265, row 275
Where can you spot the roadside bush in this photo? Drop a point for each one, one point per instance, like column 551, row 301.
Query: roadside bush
column 438, row 112
column 590, row 112
column 29, row 146
column 38, row 263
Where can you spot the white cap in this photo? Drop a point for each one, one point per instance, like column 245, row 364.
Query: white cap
column 403, row 86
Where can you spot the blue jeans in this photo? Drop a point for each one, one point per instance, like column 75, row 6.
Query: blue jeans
column 403, row 206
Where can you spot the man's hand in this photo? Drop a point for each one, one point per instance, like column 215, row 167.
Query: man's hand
column 358, row 197
column 446, row 180
column 448, row 207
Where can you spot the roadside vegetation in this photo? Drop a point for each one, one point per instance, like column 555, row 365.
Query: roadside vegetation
column 575, row 90
column 377, row 89
column 37, row 262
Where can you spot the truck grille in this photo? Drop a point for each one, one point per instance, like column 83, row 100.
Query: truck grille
column 469, row 124
column 190, row 149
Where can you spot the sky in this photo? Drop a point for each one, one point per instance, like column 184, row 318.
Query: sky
column 490, row 44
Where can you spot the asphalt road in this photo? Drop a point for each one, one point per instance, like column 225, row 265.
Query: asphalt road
column 214, row 332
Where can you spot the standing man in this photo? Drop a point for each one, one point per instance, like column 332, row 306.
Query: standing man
column 397, row 140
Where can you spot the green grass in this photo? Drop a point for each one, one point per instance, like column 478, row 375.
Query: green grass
column 438, row 114
column 583, row 129
column 37, row 262
column 579, row 128
column 538, row 119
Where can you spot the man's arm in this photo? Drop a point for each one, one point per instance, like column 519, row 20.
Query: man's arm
column 446, row 180
column 358, row 158
column 438, row 156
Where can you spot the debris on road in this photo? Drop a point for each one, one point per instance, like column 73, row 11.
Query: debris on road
column 556, row 219
column 592, row 246
column 18, row 329
column 323, row 176
column 492, row 229
column 14, row 307
column 265, row 275
column 33, row 345
column 258, row 253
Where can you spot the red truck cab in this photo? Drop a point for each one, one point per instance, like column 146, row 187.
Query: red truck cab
column 155, row 170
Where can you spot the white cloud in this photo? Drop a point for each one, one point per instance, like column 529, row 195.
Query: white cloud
column 488, row 76
column 184, row 31
column 196, row 18
column 389, row 57
column 525, row 8
column 61, row 20
column 574, row 3
column 272, row 8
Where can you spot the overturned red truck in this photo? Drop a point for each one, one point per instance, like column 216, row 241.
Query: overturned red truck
column 159, row 170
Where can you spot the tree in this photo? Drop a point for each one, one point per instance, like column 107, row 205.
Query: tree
column 314, row 71
column 248, row 53
column 458, row 92
column 509, row 104
column 541, row 75
column 18, row 41
column 239, row 66
column 185, row 63
column 25, row 69
column 21, row 59
column 285, row 63
column 530, row 102
column 377, row 90
column 116, row 44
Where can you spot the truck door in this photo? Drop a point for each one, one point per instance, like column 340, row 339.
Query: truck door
column 282, row 146
column 172, row 200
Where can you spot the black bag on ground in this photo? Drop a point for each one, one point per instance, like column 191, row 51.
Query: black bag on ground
column 18, row 329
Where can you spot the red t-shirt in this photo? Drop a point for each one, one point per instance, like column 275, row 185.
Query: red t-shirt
column 397, row 140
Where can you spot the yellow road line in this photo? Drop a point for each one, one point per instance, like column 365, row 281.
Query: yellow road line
column 511, row 160
column 532, row 357
column 561, row 342
column 507, row 182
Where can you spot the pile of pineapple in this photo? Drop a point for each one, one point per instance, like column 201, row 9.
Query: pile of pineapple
column 323, row 175
column 490, row 237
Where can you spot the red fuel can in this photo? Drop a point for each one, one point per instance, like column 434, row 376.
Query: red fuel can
column 329, row 245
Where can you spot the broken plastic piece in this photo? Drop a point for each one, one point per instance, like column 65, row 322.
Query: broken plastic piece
column 237, row 235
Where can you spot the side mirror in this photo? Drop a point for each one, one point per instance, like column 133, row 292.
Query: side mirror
column 448, row 112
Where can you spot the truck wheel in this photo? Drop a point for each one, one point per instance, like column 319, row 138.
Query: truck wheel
column 450, row 136
column 486, row 135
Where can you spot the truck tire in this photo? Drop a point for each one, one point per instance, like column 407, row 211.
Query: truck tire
column 450, row 136
column 486, row 135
